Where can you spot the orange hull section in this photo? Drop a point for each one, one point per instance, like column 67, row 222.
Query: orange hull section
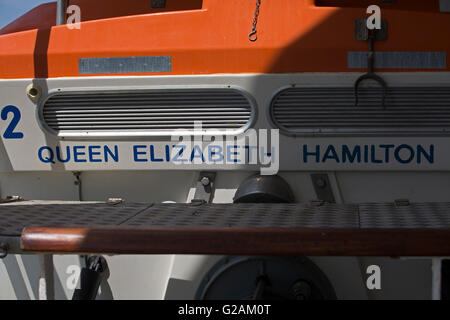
column 293, row 36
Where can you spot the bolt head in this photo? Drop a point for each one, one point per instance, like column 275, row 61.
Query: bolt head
column 321, row 183
column 205, row 181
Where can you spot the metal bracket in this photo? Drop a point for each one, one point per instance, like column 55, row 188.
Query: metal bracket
column 444, row 5
column 77, row 182
column 115, row 201
column 46, row 277
column 10, row 199
column 362, row 33
column 158, row 3
column 91, row 277
column 436, row 278
column 445, row 279
column 401, row 202
column 322, row 187
column 205, row 188
column 3, row 250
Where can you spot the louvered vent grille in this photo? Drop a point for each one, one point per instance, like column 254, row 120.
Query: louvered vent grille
column 332, row 111
column 146, row 112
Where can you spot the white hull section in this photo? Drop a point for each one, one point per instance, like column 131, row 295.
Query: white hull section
column 177, row 277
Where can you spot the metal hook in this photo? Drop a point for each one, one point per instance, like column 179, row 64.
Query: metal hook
column 370, row 75
column 253, row 36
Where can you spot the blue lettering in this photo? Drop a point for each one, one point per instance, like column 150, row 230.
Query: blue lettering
column 9, row 132
column 387, row 147
column 167, row 148
column 404, row 147
column 152, row 155
column 50, row 158
column 330, row 154
column 199, row 154
column 366, row 154
column 114, row 155
column 178, row 156
column 306, row 154
column 232, row 153
column 422, row 152
column 249, row 155
column 351, row 156
column 77, row 153
column 373, row 155
column 59, row 154
column 137, row 153
column 212, row 153
column 93, row 153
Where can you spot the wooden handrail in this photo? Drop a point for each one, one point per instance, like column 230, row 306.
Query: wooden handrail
column 239, row 241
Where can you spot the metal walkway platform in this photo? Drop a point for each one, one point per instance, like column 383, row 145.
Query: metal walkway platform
column 373, row 229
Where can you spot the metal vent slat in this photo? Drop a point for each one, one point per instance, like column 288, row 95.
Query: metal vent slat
column 144, row 116
column 331, row 111
column 145, row 112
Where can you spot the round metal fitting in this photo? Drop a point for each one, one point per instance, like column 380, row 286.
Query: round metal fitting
column 265, row 278
column 34, row 92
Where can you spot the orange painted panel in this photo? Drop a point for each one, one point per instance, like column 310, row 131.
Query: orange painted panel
column 293, row 36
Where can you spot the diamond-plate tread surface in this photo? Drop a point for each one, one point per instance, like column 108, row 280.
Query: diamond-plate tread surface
column 434, row 215
column 248, row 216
column 15, row 216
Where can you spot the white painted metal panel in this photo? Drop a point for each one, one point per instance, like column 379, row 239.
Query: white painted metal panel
column 30, row 152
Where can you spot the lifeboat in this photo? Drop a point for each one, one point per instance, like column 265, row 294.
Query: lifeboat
column 233, row 149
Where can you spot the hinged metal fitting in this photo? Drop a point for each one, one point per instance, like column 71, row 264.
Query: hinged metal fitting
column 114, row 201
column 205, row 188
column 322, row 187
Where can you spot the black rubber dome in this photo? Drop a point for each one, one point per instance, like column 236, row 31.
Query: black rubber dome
column 264, row 189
